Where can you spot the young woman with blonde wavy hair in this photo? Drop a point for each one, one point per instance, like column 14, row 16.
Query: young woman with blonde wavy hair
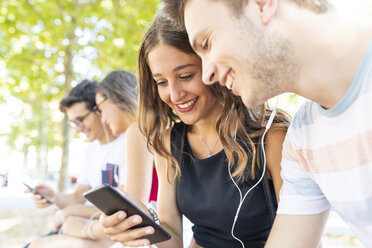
column 200, row 134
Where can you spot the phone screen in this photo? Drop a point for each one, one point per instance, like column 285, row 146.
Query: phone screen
column 110, row 201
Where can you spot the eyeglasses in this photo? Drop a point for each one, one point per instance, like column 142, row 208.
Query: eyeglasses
column 78, row 121
column 96, row 108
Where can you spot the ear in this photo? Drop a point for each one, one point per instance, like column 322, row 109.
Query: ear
column 268, row 9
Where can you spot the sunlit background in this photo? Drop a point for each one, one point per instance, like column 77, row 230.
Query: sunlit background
column 33, row 81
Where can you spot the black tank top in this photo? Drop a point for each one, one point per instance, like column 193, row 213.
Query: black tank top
column 208, row 198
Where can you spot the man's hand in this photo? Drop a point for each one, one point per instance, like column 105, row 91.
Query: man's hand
column 40, row 201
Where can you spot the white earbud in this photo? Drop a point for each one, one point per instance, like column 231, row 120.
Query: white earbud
column 106, row 133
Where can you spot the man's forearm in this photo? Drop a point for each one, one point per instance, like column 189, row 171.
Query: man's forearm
column 64, row 200
column 293, row 231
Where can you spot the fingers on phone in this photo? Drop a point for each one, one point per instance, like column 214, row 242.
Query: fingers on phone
column 132, row 237
column 112, row 220
column 124, row 225
column 40, row 201
column 136, row 243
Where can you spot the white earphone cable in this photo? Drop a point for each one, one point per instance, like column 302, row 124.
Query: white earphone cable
column 241, row 200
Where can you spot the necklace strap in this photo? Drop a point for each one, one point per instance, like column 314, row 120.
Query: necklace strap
column 205, row 145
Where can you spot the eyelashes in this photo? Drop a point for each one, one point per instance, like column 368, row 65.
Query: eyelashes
column 182, row 78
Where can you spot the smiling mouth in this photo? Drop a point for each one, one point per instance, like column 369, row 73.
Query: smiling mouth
column 187, row 106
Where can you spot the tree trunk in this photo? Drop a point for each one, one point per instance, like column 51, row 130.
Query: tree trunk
column 65, row 153
column 66, row 87
column 43, row 140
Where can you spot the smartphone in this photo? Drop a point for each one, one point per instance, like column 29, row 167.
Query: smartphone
column 37, row 192
column 109, row 201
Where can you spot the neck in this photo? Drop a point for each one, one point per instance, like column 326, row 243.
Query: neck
column 207, row 126
column 127, row 120
column 329, row 53
column 106, row 137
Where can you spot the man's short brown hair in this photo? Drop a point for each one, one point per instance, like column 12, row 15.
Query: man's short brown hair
column 175, row 8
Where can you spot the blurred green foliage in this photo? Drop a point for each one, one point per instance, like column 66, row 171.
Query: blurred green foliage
column 47, row 47
column 36, row 39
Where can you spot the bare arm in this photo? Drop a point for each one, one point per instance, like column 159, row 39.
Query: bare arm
column 273, row 149
column 117, row 225
column 61, row 200
column 168, row 211
column 80, row 210
column 139, row 163
column 293, row 231
column 80, row 229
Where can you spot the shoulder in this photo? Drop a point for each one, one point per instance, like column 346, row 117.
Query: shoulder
column 275, row 135
column 134, row 139
column 92, row 146
column 133, row 131
column 160, row 160
column 165, row 137
column 274, row 142
column 304, row 116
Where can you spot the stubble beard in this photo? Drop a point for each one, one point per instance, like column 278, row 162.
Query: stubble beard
column 270, row 62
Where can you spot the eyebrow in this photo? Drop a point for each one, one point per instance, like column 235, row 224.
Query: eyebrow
column 178, row 68
column 196, row 37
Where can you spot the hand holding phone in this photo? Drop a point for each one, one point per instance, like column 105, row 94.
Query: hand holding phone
column 34, row 191
column 110, row 201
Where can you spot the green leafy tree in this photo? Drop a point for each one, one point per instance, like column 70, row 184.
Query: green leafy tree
column 48, row 46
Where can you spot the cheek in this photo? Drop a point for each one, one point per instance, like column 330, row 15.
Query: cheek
column 164, row 94
column 105, row 114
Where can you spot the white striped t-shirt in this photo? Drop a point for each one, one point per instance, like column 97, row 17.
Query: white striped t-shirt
column 327, row 158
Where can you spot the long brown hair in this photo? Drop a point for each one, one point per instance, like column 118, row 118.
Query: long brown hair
column 155, row 116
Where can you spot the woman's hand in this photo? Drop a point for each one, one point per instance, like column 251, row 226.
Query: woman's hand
column 118, row 225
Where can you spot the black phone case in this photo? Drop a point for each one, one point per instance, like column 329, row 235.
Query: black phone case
column 109, row 201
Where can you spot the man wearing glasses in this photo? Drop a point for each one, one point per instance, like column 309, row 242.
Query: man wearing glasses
column 104, row 164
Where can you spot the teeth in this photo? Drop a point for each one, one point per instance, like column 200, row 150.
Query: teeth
column 229, row 80
column 185, row 105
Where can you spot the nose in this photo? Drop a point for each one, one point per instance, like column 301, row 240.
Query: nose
column 209, row 72
column 176, row 91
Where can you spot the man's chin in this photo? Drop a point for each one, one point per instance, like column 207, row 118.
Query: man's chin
column 250, row 102
column 89, row 138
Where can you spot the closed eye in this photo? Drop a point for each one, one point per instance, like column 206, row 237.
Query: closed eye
column 161, row 82
column 186, row 77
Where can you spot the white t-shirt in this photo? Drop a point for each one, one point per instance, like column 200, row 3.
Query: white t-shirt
column 327, row 158
column 104, row 164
